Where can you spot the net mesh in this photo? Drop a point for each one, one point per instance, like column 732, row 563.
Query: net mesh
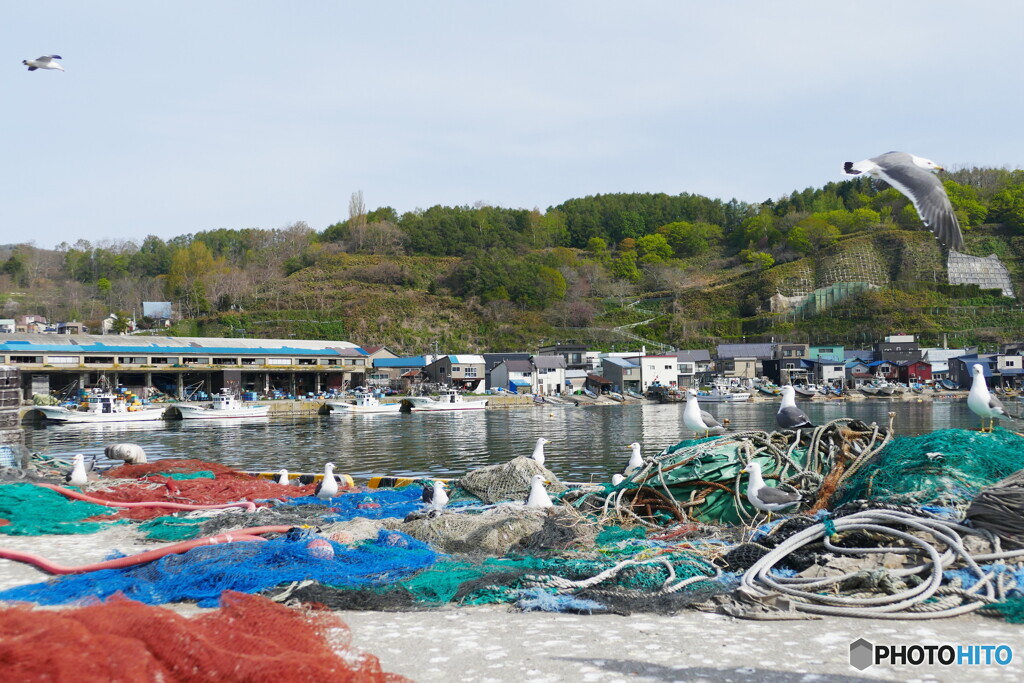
column 28, row 510
column 203, row 573
column 250, row 638
column 1000, row 509
column 948, row 467
column 507, row 481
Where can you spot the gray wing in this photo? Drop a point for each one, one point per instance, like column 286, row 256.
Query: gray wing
column 710, row 421
column 777, row 496
column 792, row 418
column 46, row 58
column 925, row 191
column 996, row 405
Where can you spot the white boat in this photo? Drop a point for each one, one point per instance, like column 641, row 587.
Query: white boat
column 102, row 406
column 450, row 399
column 224, row 405
column 365, row 404
column 719, row 395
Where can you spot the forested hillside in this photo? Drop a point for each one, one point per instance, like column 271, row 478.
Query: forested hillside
column 615, row 269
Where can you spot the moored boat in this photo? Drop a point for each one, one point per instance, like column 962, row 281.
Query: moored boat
column 449, row 399
column 103, row 406
column 224, row 405
column 365, row 404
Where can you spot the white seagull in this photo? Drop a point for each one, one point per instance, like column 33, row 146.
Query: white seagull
column 764, row 497
column 44, row 62
column 538, row 497
column 435, row 496
column 982, row 403
column 77, row 476
column 912, row 176
column 636, row 460
column 328, row 487
column 789, row 416
column 538, row 450
column 699, row 420
column 282, row 477
column 617, row 479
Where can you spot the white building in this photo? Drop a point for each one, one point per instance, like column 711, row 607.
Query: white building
column 516, row 376
column 549, row 374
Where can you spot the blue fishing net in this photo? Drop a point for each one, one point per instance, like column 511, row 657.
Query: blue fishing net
column 203, row 573
column 372, row 504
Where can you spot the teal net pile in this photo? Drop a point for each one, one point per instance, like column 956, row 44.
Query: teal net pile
column 203, row 573
column 174, row 528
column 948, row 467
column 28, row 510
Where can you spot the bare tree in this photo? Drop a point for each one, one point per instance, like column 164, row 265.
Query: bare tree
column 357, row 219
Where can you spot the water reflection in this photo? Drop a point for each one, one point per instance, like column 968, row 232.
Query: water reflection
column 587, row 443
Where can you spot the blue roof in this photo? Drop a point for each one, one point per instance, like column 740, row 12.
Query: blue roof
column 519, row 382
column 152, row 349
column 621, row 362
column 408, row 362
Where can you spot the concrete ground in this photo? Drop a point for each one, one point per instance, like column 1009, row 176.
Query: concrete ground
column 495, row 643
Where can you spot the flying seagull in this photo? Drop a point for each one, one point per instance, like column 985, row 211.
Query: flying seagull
column 789, row 416
column 328, row 486
column 699, row 420
column 44, row 62
column 764, row 497
column 912, row 176
column 981, row 402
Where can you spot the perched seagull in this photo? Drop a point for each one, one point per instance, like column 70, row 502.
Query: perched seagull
column 435, row 496
column 77, row 476
column 617, row 479
column 699, row 420
column 764, row 497
column 636, row 460
column 982, row 403
column 538, row 497
column 538, row 450
column 282, row 477
column 328, row 486
column 913, row 177
column 789, row 416
column 44, row 62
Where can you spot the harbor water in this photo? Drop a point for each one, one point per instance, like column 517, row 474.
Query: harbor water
column 588, row 443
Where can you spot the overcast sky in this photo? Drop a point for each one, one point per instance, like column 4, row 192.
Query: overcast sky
column 177, row 117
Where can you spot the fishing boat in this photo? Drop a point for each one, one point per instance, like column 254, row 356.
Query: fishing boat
column 103, row 406
column 365, row 403
column 768, row 389
column 806, row 390
column 720, row 395
column 224, row 405
column 449, row 399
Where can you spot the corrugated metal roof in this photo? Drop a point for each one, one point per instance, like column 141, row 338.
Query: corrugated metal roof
column 159, row 344
column 745, row 350
column 466, row 359
column 22, row 347
column 408, row 362
column 518, row 366
column 549, row 362
column 694, row 355
column 621, row 362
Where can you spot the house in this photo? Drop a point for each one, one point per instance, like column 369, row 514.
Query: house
column 464, row 371
column 938, row 359
column 550, row 374
column 914, row 372
column 575, row 355
column 961, row 369
column 513, row 375
column 857, row 372
column 691, row 365
column 826, row 370
column 72, row 328
column 399, row 373
column 31, row 324
column 160, row 312
column 575, row 380
column 8, row 326
column 793, row 370
column 623, row 373
column 663, row 370
column 898, row 347
column 743, row 361
column 492, row 360
column 787, row 351
column 885, row 369
column 598, row 384
column 832, row 352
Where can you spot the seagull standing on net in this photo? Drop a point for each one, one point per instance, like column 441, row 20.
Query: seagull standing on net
column 538, row 450
column 44, row 62
column 282, row 477
column 789, row 416
column 435, row 496
column 699, row 420
column 77, row 476
column 538, row 497
column 764, row 497
column 913, row 177
column 636, row 460
column 328, row 486
column 982, row 403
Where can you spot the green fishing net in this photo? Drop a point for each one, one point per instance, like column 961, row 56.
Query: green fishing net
column 32, row 510
column 172, row 528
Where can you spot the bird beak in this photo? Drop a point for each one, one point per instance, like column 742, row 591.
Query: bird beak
column 547, row 483
column 743, row 471
column 940, row 168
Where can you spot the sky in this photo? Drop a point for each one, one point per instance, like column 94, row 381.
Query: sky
column 173, row 118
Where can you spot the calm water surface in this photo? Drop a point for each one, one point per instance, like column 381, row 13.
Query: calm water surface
column 587, row 443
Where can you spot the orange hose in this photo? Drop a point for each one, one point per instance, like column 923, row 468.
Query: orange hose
column 250, row 534
column 70, row 493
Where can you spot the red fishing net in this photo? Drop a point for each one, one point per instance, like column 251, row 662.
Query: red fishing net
column 228, row 486
column 249, row 638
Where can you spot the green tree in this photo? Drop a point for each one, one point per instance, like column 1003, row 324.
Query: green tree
column 759, row 259
column 103, row 286
column 653, row 248
column 624, row 266
column 1007, row 207
column 192, row 269
column 691, row 239
column 812, row 234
